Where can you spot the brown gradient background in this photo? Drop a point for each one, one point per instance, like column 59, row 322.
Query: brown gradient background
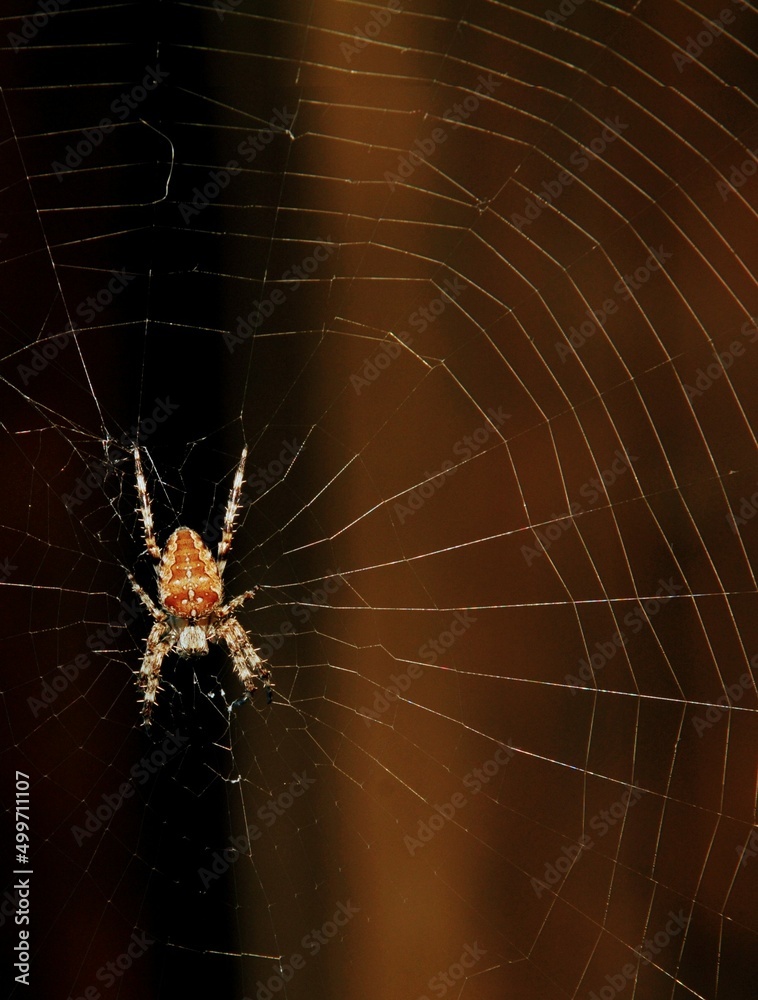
column 397, row 580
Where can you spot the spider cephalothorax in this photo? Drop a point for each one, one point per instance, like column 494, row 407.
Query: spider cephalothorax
column 190, row 612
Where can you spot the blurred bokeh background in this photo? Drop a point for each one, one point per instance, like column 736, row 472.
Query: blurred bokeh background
column 475, row 285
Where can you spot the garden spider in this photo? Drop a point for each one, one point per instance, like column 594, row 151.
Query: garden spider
column 190, row 612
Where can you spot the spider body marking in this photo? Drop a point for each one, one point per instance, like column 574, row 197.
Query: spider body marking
column 190, row 612
column 189, row 583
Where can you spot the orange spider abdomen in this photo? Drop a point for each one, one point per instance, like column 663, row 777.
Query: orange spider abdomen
column 188, row 578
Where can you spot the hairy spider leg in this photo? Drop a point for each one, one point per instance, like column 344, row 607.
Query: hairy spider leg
column 148, row 527
column 232, row 508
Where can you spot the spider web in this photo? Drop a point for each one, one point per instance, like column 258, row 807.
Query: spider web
column 474, row 284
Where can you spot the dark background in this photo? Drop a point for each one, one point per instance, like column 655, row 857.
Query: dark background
column 396, row 579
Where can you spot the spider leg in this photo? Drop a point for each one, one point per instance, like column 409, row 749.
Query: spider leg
column 247, row 663
column 237, row 601
column 159, row 643
column 231, row 512
column 152, row 607
column 145, row 509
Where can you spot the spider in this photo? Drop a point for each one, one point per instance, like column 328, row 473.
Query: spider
column 190, row 612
